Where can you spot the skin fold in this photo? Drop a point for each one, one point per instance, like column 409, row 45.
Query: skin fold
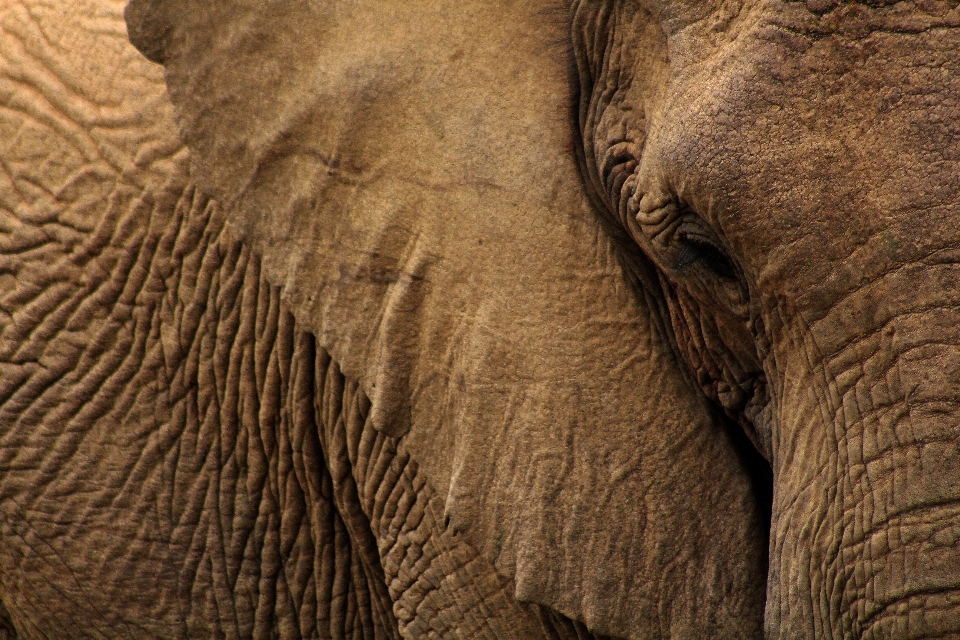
column 179, row 458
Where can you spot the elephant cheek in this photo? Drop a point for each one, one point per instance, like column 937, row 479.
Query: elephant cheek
column 867, row 473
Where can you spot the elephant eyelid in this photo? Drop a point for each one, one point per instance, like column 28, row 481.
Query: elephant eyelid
column 688, row 257
column 697, row 250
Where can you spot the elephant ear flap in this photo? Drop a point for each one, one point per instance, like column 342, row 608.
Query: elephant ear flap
column 600, row 480
column 406, row 174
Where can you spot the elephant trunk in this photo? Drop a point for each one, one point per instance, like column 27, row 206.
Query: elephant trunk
column 866, row 516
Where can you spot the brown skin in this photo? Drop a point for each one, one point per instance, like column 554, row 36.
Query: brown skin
column 370, row 399
column 794, row 172
column 789, row 169
column 179, row 458
column 387, row 162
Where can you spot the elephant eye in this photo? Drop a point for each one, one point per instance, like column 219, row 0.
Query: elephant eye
column 695, row 250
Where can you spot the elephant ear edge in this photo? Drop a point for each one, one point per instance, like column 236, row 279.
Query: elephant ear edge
column 147, row 28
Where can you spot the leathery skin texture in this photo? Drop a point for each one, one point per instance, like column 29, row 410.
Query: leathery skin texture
column 177, row 457
column 214, row 426
column 180, row 456
column 794, row 171
column 407, row 174
column 320, row 527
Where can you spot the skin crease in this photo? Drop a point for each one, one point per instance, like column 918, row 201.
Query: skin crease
column 806, row 157
column 179, row 458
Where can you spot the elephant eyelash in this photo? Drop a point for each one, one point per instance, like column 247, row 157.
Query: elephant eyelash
column 697, row 250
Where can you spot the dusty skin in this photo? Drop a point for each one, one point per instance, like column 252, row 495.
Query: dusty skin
column 467, row 319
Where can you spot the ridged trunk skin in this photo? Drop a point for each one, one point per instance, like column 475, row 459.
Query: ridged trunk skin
column 868, row 454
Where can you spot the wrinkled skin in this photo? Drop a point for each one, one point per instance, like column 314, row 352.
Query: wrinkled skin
column 793, row 170
column 790, row 170
column 300, row 421
column 330, row 408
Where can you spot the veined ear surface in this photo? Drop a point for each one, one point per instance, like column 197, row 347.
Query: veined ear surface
column 406, row 171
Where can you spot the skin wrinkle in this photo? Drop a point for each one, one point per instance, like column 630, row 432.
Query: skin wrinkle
column 23, row 537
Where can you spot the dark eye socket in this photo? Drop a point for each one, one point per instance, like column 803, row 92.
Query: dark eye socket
column 695, row 250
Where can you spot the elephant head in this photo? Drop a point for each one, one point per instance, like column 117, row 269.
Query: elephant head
column 402, row 381
column 792, row 171
column 786, row 171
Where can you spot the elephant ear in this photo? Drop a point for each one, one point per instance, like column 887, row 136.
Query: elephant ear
column 406, row 172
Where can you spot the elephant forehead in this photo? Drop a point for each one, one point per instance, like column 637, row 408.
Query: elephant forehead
column 816, row 17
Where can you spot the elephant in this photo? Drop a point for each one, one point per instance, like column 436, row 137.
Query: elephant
column 435, row 319
column 316, row 332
